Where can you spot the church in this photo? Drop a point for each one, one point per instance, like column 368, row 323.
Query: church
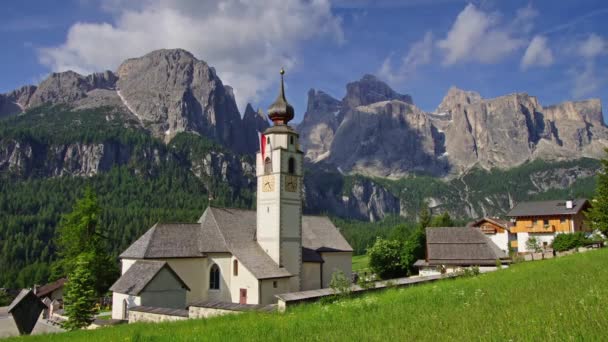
column 235, row 255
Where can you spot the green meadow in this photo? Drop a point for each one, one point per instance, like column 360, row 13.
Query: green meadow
column 360, row 262
column 551, row 300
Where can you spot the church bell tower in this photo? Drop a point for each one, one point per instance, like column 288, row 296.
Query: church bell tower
column 279, row 172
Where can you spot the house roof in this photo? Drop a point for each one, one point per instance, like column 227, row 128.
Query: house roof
column 320, row 234
column 460, row 246
column 499, row 222
column 309, row 255
column 140, row 274
column 547, row 208
column 223, row 230
column 26, row 297
column 50, row 287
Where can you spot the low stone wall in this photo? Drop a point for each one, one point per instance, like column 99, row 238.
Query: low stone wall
column 155, row 315
column 198, row 312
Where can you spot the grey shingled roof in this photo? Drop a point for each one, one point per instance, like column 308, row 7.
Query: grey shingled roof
column 547, row 208
column 233, row 231
column 139, row 275
column 461, row 246
column 309, row 255
column 320, row 234
column 175, row 240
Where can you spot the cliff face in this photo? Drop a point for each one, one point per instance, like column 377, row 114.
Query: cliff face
column 378, row 132
column 509, row 130
column 166, row 91
column 324, row 114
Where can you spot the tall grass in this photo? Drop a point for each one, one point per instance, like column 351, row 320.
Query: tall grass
column 551, row 300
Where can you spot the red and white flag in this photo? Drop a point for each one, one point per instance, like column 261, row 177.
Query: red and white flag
column 262, row 140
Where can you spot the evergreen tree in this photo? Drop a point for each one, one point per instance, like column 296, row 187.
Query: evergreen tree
column 597, row 215
column 424, row 216
column 80, row 297
column 78, row 233
column 443, row 220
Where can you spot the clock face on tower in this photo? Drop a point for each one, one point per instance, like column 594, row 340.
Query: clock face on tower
column 268, row 183
column 291, row 183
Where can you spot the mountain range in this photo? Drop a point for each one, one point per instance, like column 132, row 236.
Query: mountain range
column 372, row 136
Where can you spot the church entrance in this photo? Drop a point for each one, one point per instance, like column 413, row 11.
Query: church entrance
column 243, row 297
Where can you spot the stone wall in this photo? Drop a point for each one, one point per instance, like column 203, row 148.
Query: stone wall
column 138, row 316
column 198, row 312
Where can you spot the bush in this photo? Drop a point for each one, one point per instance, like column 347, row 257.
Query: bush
column 564, row 242
column 385, row 259
column 340, row 284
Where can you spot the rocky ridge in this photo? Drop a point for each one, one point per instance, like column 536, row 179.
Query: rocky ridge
column 167, row 91
column 392, row 137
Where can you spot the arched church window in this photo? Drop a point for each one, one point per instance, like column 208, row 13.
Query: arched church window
column 235, row 268
column 291, row 166
column 267, row 166
column 291, row 139
column 214, row 277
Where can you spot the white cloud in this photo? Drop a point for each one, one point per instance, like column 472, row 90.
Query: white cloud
column 480, row 37
column 246, row 41
column 537, row 53
column 420, row 53
column 593, row 46
column 587, row 78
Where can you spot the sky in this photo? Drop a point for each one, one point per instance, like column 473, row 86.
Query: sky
column 555, row 50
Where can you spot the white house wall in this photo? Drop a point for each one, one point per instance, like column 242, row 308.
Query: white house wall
column 244, row 280
column 522, row 238
column 335, row 261
column 311, row 275
column 501, row 240
column 223, row 261
column 164, row 291
column 268, row 291
column 118, row 304
column 193, row 272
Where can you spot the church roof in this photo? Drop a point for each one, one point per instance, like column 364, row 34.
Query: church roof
column 140, row 274
column 233, row 231
column 320, row 234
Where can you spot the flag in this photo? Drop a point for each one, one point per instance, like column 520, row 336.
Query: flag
column 262, row 140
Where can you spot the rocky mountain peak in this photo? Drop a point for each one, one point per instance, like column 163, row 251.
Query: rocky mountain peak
column 187, row 96
column 457, row 96
column 369, row 89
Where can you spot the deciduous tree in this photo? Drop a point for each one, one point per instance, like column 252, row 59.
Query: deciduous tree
column 597, row 215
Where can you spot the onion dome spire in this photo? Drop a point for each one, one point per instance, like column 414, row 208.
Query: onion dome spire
column 280, row 112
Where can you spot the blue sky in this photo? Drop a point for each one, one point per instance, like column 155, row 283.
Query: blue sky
column 556, row 50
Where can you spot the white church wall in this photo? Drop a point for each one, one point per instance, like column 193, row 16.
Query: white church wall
column 311, row 275
column 223, row 261
column 193, row 273
column 272, row 287
column 164, row 291
column 126, row 264
column 244, row 280
column 335, row 261
column 118, row 301
column 501, row 240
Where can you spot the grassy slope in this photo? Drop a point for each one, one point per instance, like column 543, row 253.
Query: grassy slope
column 360, row 262
column 560, row 299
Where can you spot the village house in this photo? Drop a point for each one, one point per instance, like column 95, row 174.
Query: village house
column 451, row 249
column 53, row 291
column 546, row 219
column 235, row 255
column 498, row 230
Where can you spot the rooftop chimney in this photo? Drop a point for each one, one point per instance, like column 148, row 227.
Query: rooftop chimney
column 569, row 204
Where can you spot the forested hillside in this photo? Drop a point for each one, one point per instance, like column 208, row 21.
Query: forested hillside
column 49, row 154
